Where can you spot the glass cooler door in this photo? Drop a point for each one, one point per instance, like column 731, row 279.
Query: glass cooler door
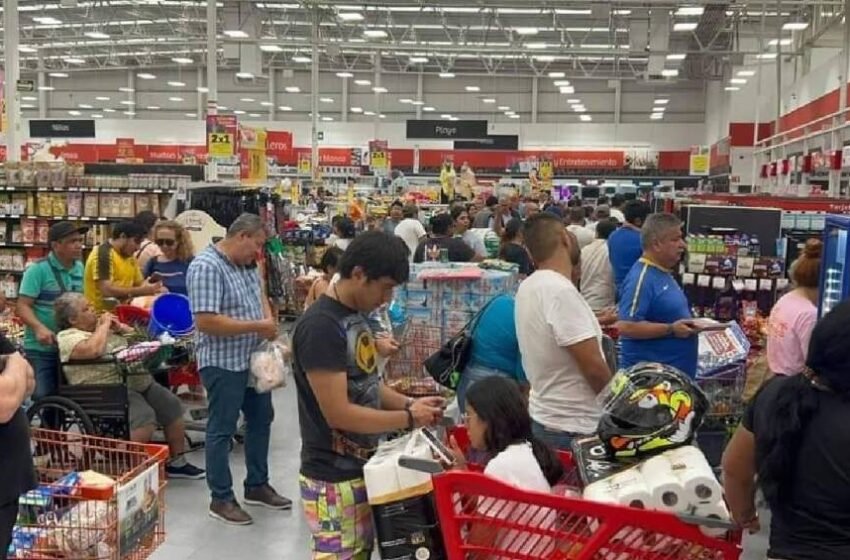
column 834, row 275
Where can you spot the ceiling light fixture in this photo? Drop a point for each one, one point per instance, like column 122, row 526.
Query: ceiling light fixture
column 738, row 81
column 32, row 98
column 191, row 115
column 561, row 83
column 362, row 82
column 238, row 112
column 514, row 116
column 661, row 102
column 292, row 89
column 153, row 107
column 369, row 113
column 271, row 48
column 46, row 20
column 676, row 56
column 567, row 90
column 182, row 60
column 46, row 88
column 74, row 60
column 732, row 88
column 669, row 72
column 96, row 116
column 585, row 118
column 767, row 56
column 145, row 76
column 85, row 106
column 74, row 113
column 690, row 11
column 236, row 33
column 526, row 31
column 127, row 102
column 245, row 75
column 445, row 116
column 535, row 46
column 350, row 16
column 202, row 89
column 380, row 89
column 472, row 88
column 108, row 110
column 417, row 103
column 428, row 109
column 447, row 74
column 266, row 103
column 418, row 59
column 682, row 26
column 375, row 33
column 344, row 75
column 130, row 113
column 126, row 89
column 357, row 109
column 247, row 99
column 544, row 58
column 556, row 75
column 58, row 75
column 177, row 84
column 26, row 49
column 175, row 99
column 795, row 26
column 503, row 108
column 301, row 59
column 97, row 35
column 488, row 100
column 327, row 119
column 656, row 116
column 254, row 115
column 746, row 73
column 284, row 108
column 326, row 100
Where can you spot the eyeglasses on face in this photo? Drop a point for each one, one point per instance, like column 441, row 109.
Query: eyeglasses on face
column 166, row 242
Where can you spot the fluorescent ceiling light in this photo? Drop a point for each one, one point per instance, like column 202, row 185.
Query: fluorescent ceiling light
column 238, row 112
column 153, row 107
column 447, row 74
column 75, row 60
column 669, row 72
column 681, row 26
column 656, row 116
column 556, row 75
column 292, row 89
column 221, row 107
column 428, row 109
column 26, row 49
column 561, row 83
column 783, row 42
column 254, row 115
column 567, row 90
column 94, row 115
column 677, row 56
column 795, row 26
column 738, row 81
column 271, row 48
column 191, row 115
column 585, row 118
column 375, row 33
column 690, row 11
column 74, row 113
column 453, row 119
column 177, row 84
column 236, row 33
column 58, row 75
column 145, row 76
column 266, row 103
column 574, row 101
column 405, row 100
column 503, row 108
column 357, row 109
column 85, row 106
column 572, row 12
column 417, row 103
column 284, row 108
column 175, row 99
column 514, row 116
column 445, row 116
column 659, row 109
column 31, row 98
column 369, row 113
column 301, row 59
column 488, row 100
column 327, row 119
column 766, row 56
column 344, row 75
column 621, row 12
column 661, row 101
column 247, row 99
column 46, row 20
column 46, row 88
column 202, row 89
column 380, row 89
column 472, row 88
column 525, row 31
column 418, row 59
column 126, row 89
column 127, row 102
column 509, row 113
column 245, row 75
column 97, row 35
column 382, row 116
column 535, row 45
column 732, row 88
column 350, row 16
column 544, row 58
column 579, row 108
column 326, row 100
column 183, row 60
column 746, row 73
column 130, row 113
column 362, row 82
column 108, row 110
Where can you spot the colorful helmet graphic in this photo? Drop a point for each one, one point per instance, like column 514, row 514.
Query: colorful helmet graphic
column 649, row 408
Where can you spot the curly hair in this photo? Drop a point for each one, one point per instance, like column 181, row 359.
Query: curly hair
column 185, row 249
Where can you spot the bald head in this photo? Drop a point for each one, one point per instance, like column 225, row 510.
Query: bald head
column 543, row 234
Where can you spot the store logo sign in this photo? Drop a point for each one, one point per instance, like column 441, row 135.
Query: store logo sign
column 440, row 130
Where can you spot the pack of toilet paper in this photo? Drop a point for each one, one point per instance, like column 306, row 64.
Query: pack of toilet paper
column 386, row 481
column 678, row 481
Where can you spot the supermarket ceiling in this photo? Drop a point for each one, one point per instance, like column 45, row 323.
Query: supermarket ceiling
column 643, row 40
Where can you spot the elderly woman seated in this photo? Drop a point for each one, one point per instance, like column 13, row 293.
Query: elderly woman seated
column 86, row 337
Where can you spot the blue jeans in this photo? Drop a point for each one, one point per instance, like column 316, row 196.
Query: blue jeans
column 471, row 374
column 228, row 393
column 46, row 368
column 556, row 439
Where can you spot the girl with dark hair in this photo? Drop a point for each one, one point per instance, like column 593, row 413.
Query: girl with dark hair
column 345, row 232
column 512, row 249
column 794, row 443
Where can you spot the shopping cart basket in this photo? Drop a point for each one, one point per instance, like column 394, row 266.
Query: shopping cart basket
column 725, row 391
column 74, row 514
column 405, row 371
column 482, row 517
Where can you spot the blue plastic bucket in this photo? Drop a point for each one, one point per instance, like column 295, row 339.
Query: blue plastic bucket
column 171, row 313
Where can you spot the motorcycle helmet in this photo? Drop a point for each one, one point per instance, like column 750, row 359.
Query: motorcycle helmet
column 649, row 408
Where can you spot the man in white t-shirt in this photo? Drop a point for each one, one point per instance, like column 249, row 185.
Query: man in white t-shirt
column 578, row 227
column 559, row 338
column 410, row 229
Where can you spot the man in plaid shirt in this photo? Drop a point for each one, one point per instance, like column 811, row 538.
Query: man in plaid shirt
column 232, row 317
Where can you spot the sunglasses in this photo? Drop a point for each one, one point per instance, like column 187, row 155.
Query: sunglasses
column 166, row 242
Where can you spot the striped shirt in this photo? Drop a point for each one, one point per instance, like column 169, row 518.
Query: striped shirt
column 218, row 286
column 40, row 284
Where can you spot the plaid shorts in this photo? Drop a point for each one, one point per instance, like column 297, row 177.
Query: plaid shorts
column 339, row 518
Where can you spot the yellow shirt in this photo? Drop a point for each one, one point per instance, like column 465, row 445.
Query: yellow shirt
column 122, row 271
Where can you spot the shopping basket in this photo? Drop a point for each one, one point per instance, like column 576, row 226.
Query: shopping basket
column 482, row 517
column 98, row 499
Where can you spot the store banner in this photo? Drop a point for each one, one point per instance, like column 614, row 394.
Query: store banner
column 252, row 142
column 222, row 135
column 164, row 154
column 446, row 130
column 126, row 148
column 700, row 160
column 61, row 128
column 279, row 146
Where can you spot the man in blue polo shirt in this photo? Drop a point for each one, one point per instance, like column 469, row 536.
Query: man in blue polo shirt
column 44, row 281
column 624, row 247
column 655, row 318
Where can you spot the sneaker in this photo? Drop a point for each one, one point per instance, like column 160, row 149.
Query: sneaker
column 266, row 496
column 187, row 471
column 229, row 512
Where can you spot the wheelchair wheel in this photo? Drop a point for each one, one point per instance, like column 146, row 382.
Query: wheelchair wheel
column 60, row 414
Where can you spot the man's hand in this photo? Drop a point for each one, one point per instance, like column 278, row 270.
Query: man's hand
column 106, row 318
column 424, row 414
column 151, row 288
column 607, row 316
column 45, row 336
column 267, row 329
column 386, row 345
column 683, row 328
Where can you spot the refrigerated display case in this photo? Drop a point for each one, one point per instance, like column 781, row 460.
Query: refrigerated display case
column 834, row 275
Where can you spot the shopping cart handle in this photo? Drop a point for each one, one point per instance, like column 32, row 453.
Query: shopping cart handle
column 422, row 465
column 709, row 522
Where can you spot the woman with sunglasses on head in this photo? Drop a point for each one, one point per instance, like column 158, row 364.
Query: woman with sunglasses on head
column 177, row 252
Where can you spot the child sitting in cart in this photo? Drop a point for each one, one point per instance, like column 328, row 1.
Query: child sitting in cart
column 85, row 336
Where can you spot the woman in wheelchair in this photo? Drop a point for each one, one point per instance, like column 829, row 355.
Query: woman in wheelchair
column 85, row 336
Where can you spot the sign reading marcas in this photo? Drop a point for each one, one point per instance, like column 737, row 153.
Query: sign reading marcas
column 447, row 130
column 50, row 128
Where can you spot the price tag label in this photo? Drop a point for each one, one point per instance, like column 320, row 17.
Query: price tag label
column 765, row 284
column 719, row 282
column 220, row 144
column 688, row 279
column 751, row 284
column 703, row 281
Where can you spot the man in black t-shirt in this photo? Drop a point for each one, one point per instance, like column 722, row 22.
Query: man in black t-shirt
column 17, row 475
column 343, row 406
column 441, row 238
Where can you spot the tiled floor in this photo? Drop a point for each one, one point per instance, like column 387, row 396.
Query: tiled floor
column 192, row 535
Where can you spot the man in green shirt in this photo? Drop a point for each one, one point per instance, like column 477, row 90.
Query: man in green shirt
column 44, row 281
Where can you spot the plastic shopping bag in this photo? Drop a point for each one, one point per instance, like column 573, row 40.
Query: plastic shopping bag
column 270, row 367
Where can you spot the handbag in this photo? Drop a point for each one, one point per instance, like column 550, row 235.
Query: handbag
column 446, row 365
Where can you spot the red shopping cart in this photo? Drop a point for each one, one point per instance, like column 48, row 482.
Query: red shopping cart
column 481, row 517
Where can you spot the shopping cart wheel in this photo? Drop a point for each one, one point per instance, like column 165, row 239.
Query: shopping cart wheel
column 60, row 414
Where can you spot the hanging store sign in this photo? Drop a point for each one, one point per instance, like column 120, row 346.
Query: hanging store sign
column 700, row 161
column 222, row 132
column 491, row 142
column 447, row 130
column 220, row 144
column 51, row 128
column 379, row 162
column 253, row 154
column 25, row 86
column 279, row 145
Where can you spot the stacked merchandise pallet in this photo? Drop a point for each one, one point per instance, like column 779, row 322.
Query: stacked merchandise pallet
column 33, row 196
column 437, row 302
